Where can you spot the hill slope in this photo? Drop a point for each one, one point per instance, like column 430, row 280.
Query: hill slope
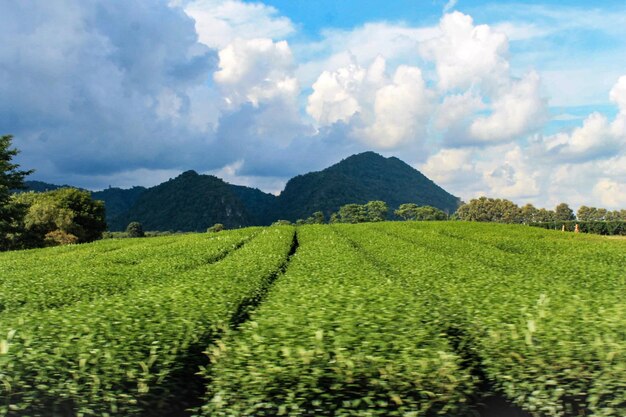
column 358, row 179
column 193, row 202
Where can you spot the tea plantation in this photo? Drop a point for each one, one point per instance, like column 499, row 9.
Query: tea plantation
column 377, row 319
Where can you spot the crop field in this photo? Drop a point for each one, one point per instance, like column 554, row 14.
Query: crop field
column 377, row 319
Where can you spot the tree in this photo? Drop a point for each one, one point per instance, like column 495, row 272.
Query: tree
column 316, row 218
column 544, row 216
column 376, row 211
column 11, row 178
column 529, row 213
column 68, row 210
column 352, row 213
column 407, row 211
column 564, row 213
column 135, row 229
column 585, row 213
column 486, row 209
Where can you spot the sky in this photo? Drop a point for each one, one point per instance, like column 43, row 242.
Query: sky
column 518, row 100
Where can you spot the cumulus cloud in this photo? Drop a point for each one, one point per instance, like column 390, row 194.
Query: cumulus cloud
column 98, row 88
column 598, row 137
column 219, row 22
column 466, row 55
column 401, row 110
column 256, row 70
column 336, row 94
column 517, row 110
column 384, row 112
column 611, row 193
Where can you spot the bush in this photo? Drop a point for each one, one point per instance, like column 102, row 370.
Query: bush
column 611, row 228
column 135, row 229
column 59, row 237
column 217, row 227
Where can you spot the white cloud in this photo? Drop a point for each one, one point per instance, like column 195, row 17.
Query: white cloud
column 597, row 137
column 467, row 55
column 455, row 114
column 390, row 112
column 255, row 71
column 611, row 193
column 339, row 48
column 335, row 95
column 512, row 177
column 219, row 22
column 401, row 110
column 517, row 111
column 450, row 166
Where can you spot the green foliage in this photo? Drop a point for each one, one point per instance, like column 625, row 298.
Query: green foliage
column 376, row 319
column 485, row 209
column 68, row 210
column 135, row 229
column 336, row 336
column 217, row 227
column 410, row 211
column 11, row 178
column 563, row 212
column 316, row 218
column 114, row 355
column 373, row 211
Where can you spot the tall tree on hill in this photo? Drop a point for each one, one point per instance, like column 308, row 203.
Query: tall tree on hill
column 11, row 178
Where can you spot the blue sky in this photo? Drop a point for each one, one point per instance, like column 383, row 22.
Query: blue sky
column 517, row 100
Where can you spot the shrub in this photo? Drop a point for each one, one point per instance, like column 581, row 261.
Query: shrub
column 135, row 229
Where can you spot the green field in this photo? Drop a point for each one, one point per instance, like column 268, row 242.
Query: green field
column 379, row 319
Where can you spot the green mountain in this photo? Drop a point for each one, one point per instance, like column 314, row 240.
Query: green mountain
column 193, row 202
column 40, row 186
column 118, row 201
column 358, row 179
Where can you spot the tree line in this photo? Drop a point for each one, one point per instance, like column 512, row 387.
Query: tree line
column 497, row 210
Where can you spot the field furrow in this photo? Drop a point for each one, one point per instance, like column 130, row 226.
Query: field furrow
column 335, row 337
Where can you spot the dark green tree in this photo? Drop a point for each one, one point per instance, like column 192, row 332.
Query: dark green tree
column 412, row 211
column 11, row 178
column 316, row 218
column 135, row 229
column 564, row 213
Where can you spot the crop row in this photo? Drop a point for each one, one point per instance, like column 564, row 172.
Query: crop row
column 124, row 353
column 546, row 331
column 62, row 280
column 337, row 336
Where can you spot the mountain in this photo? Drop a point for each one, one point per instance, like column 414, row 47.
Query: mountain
column 117, row 200
column 358, row 179
column 193, row 202
column 40, row 186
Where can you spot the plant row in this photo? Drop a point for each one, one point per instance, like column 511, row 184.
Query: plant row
column 544, row 330
column 59, row 280
column 337, row 336
column 129, row 352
